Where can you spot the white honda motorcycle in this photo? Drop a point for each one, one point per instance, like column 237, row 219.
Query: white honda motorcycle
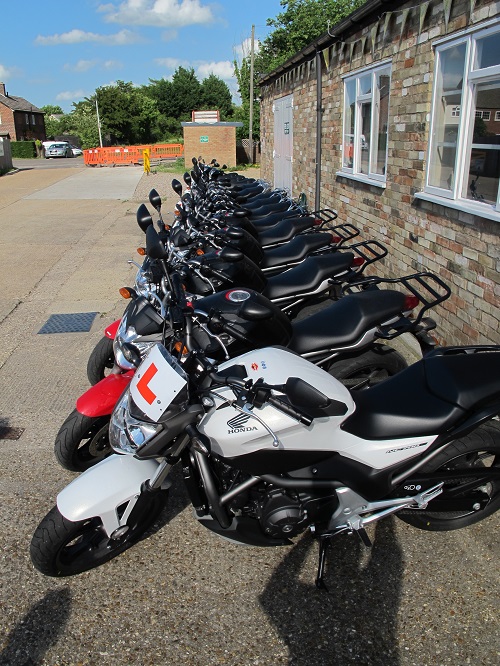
column 271, row 445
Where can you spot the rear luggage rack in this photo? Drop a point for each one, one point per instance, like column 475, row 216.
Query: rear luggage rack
column 427, row 287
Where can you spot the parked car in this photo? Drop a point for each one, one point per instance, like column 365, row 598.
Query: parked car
column 59, row 149
column 76, row 151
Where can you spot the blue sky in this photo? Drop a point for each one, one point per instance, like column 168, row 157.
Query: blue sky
column 60, row 51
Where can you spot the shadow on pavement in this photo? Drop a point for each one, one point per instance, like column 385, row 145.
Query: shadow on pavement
column 355, row 622
column 40, row 628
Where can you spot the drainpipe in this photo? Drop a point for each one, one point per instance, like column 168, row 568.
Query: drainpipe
column 319, row 113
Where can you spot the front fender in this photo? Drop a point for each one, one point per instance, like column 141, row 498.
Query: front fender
column 100, row 399
column 110, row 331
column 114, row 482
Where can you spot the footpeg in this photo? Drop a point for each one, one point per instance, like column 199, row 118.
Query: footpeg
column 423, row 498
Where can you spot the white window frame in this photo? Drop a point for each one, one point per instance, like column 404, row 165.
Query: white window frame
column 355, row 172
column 497, row 115
column 472, row 77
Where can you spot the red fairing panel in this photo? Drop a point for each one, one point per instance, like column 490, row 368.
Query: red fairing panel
column 101, row 398
column 110, row 331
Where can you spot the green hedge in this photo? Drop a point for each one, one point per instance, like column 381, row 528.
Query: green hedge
column 23, row 149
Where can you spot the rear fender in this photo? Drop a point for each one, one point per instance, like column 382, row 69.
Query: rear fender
column 100, row 399
column 114, row 483
column 110, row 331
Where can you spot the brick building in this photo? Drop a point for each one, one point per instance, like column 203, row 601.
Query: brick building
column 210, row 140
column 392, row 117
column 22, row 120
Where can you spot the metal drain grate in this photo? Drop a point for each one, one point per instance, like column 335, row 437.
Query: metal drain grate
column 69, row 323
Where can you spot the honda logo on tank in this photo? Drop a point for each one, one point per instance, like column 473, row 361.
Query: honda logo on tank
column 156, row 383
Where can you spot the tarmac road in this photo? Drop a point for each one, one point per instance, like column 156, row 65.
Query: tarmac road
column 183, row 596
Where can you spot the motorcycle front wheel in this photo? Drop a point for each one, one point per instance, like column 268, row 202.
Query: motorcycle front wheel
column 101, row 360
column 481, row 448
column 82, row 441
column 61, row 547
column 367, row 369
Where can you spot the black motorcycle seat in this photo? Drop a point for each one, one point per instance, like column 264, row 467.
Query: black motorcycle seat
column 270, row 220
column 267, row 208
column 427, row 397
column 295, row 250
column 284, row 230
column 258, row 200
column 345, row 321
column 307, row 275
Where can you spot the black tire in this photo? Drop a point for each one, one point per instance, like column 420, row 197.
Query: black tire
column 481, row 448
column 101, row 360
column 60, row 547
column 369, row 368
column 82, row 441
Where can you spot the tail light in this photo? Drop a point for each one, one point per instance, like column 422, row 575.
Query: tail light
column 335, row 239
column 357, row 261
column 317, row 221
column 411, row 302
column 125, row 292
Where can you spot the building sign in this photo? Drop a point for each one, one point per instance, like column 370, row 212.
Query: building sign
column 203, row 139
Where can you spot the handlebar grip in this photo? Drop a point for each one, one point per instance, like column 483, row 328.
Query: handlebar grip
column 288, row 409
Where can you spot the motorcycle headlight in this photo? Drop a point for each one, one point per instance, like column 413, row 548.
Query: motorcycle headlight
column 127, row 434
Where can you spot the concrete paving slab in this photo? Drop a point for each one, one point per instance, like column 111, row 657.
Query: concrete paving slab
column 94, row 183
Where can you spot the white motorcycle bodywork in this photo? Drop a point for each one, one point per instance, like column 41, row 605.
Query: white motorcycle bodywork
column 232, row 434
column 117, row 480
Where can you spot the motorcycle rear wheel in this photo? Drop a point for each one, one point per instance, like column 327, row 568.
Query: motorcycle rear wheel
column 101, row 360
column 60, row 547
column 368, row 369
column 481, row 448
column 82, row 441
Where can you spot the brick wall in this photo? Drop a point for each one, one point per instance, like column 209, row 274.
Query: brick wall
column 463, row 249
column 7, row 121
column 221, row 144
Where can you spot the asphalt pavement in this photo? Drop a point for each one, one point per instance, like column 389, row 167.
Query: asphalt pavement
column 184, row 596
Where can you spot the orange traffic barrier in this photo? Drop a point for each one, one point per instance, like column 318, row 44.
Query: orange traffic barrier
column 113, row 155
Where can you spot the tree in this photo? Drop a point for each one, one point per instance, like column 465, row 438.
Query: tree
column 52, row 110
column 216, row 95
column 185, row 94
column 301, row 22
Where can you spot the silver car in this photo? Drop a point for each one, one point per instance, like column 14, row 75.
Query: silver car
column 59, row 149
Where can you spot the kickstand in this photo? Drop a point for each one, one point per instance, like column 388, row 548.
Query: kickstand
column 324, row 543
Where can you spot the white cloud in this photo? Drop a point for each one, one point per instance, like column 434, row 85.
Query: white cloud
column 69, row 95
column 244, row 49
column 6, row 73
column 223, row 69
column 158, row 13
column 81, row 66
column 172, row 63
column 112, row 64
column 122, row 38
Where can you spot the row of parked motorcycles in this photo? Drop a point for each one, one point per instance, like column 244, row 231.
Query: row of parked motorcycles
column 255, row 353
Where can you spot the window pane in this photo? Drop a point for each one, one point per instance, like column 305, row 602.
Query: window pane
column 349, row 107
column 365, row 84
column 380, row 124
column 488, row 51
column 484, row 156
column 364, row 144
column 449, row 82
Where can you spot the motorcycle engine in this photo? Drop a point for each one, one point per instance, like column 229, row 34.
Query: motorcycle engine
column 282, row 516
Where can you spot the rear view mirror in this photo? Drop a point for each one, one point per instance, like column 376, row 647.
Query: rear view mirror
column 154, row 247
column 144, row 219
column 187, row 179
column 155, row 200
column 177, row 186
